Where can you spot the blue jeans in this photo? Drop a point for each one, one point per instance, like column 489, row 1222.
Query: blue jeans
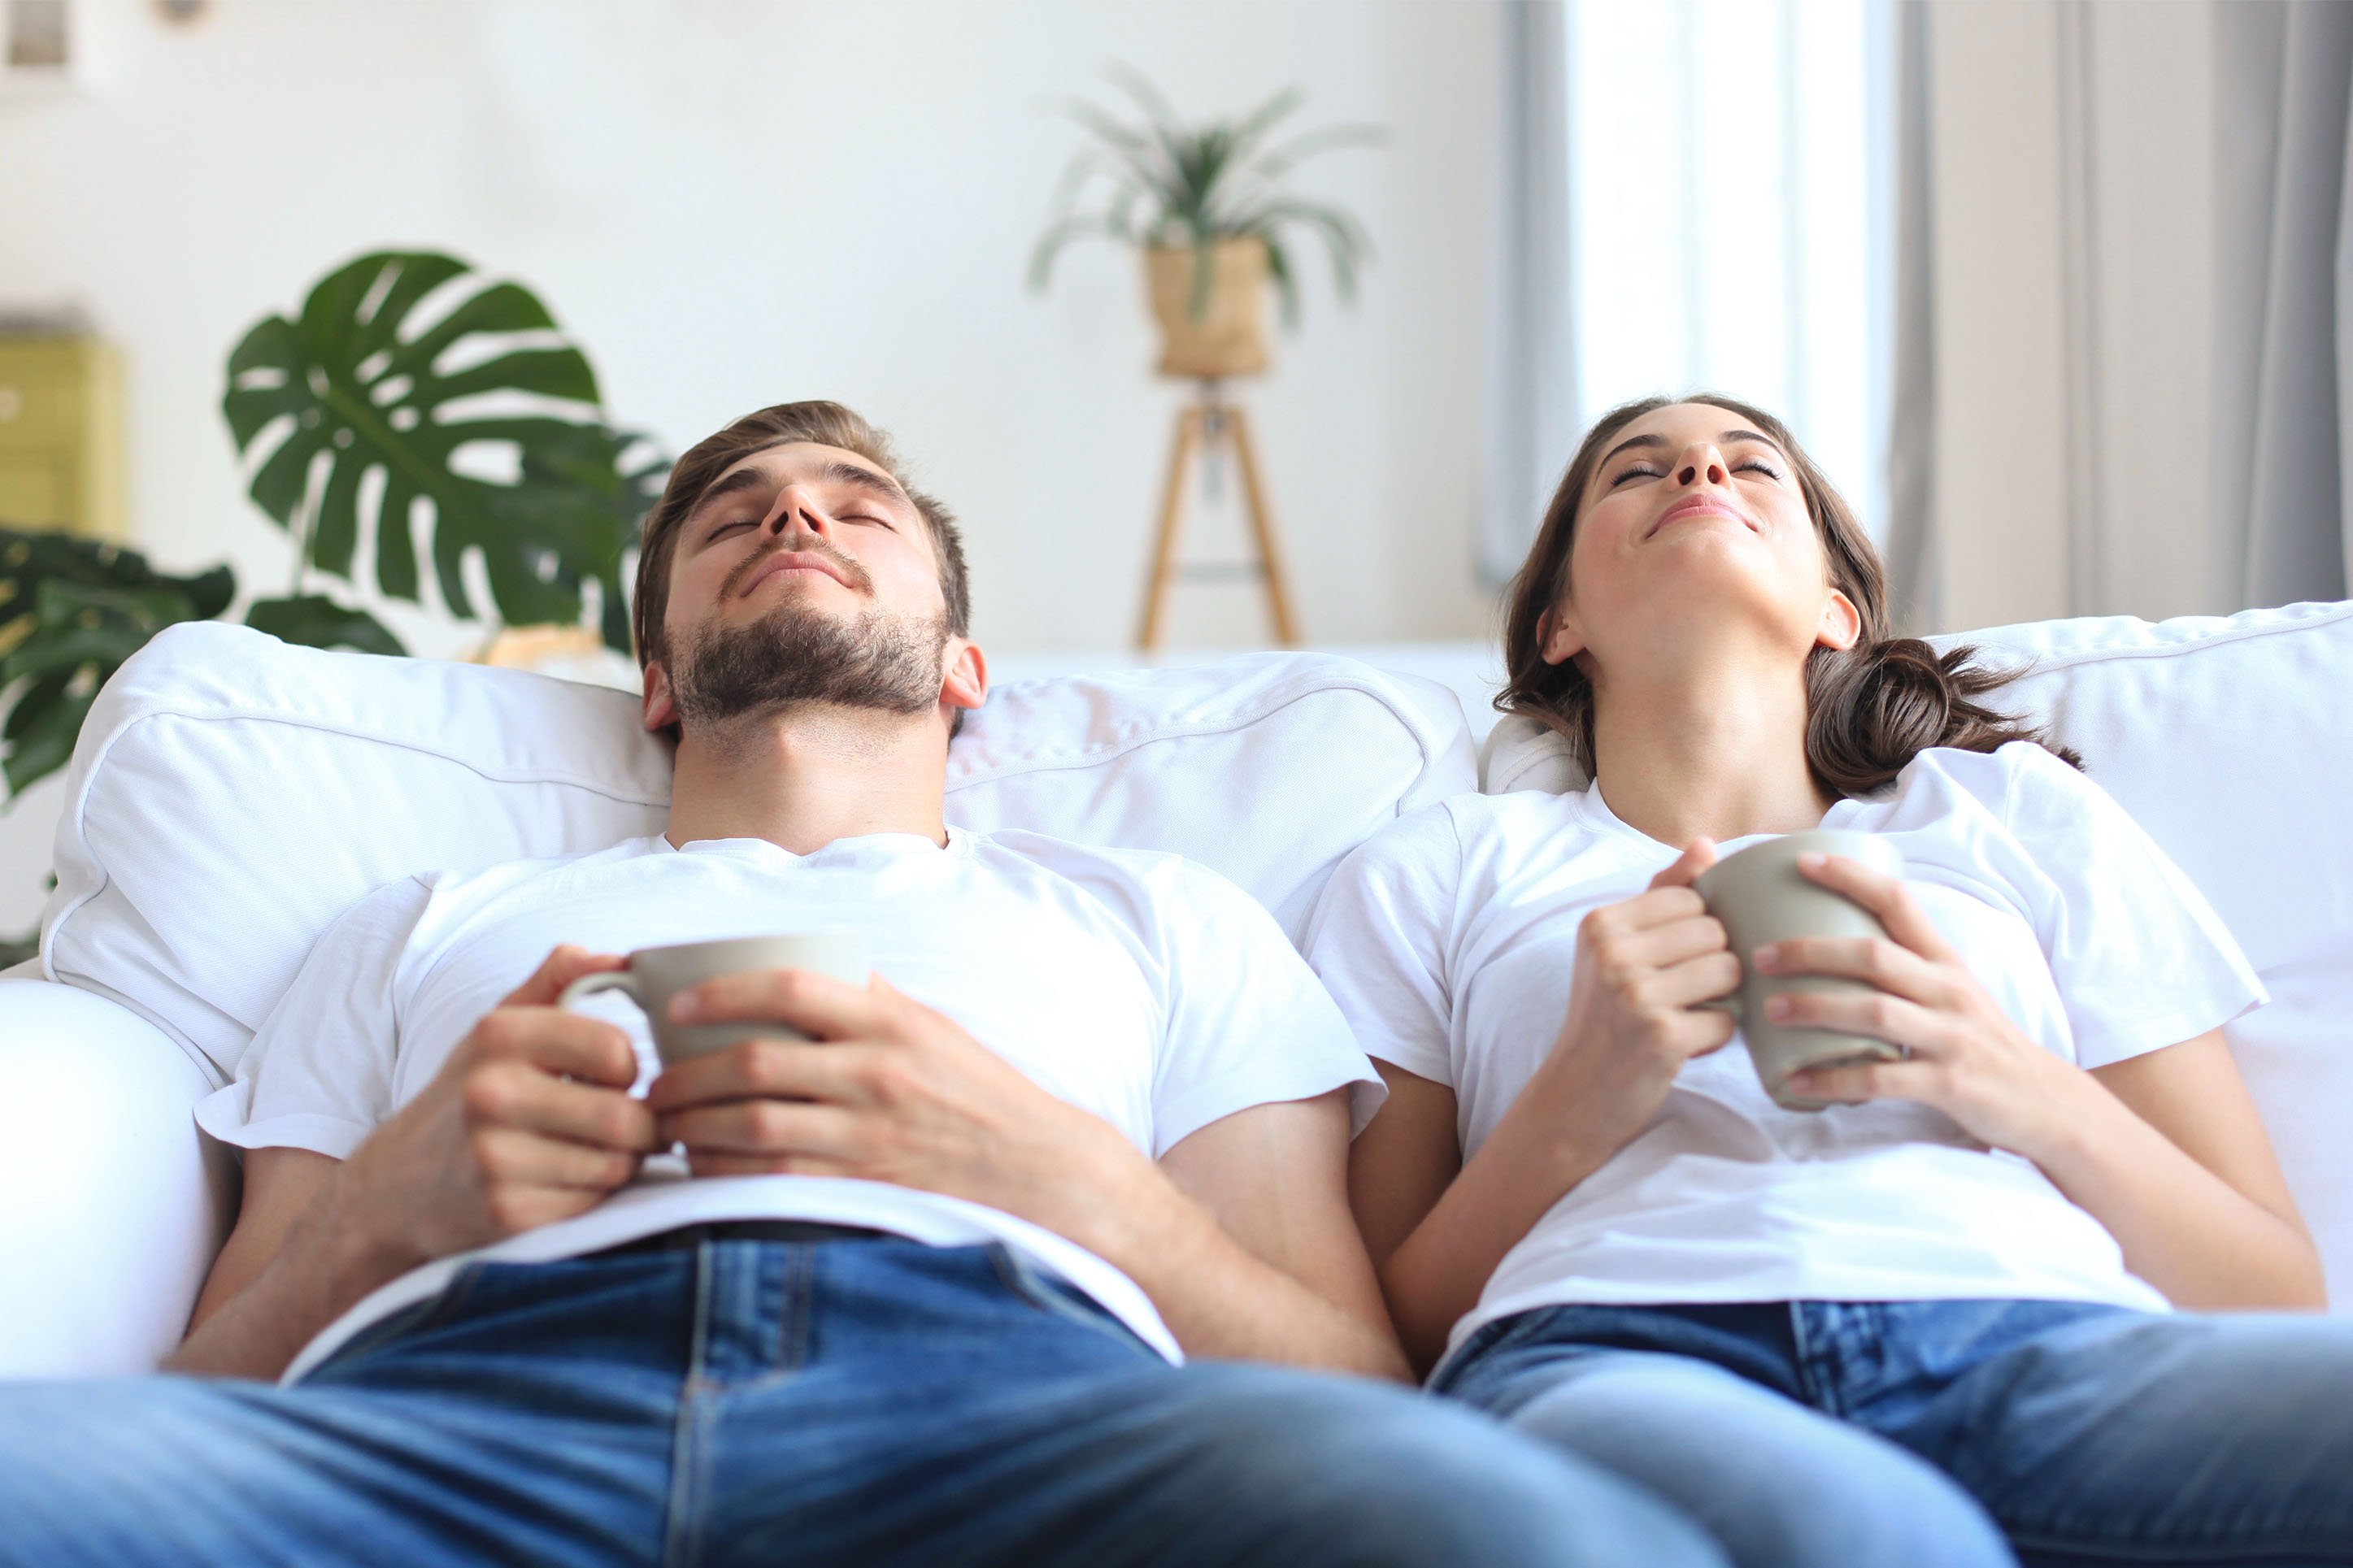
column 842, row 1401
column 1948, row 1432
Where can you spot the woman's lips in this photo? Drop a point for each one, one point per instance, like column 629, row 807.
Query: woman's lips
column 1697, row 506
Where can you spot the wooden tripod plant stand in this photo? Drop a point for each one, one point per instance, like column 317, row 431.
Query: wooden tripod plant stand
column 1202, row 426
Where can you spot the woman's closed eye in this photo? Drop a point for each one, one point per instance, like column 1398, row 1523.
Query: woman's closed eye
column 1754, row 465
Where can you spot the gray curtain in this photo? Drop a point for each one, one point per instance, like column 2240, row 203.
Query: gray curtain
column 1915, row 593
column 1532, row 419
column 2283, row 498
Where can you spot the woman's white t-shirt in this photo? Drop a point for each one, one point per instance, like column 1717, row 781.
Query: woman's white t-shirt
column 1449, row 941
column 1135, row 985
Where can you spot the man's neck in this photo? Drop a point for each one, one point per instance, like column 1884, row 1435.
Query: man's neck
column 1713, row 745
column 803, row 780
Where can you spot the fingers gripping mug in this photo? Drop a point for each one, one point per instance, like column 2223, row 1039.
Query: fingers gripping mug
column 1762, row 898
column 655, row 974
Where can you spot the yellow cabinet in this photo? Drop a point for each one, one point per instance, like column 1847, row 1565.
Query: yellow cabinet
column 61, row 459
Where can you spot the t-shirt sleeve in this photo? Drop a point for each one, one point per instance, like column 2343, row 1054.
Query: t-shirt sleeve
column 1246, row 1022
column 1379, row 936
column 318, row 1073
column 2140, row 958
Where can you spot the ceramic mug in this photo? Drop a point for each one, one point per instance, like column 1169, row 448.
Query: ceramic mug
column 655, row 974
column 1762, row 898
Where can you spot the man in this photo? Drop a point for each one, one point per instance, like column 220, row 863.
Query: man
column 933, row 1289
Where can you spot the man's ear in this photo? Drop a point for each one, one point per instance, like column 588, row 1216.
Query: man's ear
column 1841, row 627
column 1559, row 636
column 658, row 708
column 964, row 681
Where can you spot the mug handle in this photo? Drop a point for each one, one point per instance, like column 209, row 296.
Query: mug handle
column 604, row 980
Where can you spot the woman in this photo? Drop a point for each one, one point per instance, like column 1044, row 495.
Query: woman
column 1934, row 1322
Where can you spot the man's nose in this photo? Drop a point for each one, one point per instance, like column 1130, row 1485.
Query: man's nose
column 797, row 511
column 1701, row 463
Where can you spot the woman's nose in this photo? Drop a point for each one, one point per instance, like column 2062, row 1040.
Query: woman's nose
column 1701, row 461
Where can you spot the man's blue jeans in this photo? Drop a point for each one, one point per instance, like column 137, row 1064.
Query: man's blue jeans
column 844, row 1400
column 1928, row 1432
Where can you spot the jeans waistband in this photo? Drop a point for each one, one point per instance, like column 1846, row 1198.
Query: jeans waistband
column 687, row 1238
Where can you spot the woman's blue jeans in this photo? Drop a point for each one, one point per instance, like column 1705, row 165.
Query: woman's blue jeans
column 1948, row 1432
column 843, row 1401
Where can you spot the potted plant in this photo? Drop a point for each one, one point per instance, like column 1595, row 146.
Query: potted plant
column 1209, row 206
column 382, row 397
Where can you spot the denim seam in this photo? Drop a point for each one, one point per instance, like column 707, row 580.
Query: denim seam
column 796, row 1306
column 682, row 1530
column 1822, row 1392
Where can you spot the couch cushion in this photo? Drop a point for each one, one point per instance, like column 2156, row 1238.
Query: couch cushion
column 230, row 795
column 2231, row 740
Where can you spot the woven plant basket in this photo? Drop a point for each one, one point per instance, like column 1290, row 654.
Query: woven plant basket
column 1229, row 338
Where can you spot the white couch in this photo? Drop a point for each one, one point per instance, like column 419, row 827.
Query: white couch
column 231, row 794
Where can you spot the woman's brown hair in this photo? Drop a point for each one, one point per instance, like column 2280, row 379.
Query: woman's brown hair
column 1870, row 709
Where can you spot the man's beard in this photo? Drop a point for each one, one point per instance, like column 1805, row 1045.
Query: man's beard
column 795, row 657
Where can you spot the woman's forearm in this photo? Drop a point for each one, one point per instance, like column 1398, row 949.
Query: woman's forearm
column 2183, row 1228
column 1437, row 1275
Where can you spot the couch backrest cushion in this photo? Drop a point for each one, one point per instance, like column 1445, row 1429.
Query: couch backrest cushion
column 230, row 795
column 2231, row 740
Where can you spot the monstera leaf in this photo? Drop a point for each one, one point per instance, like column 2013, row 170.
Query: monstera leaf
column 70, row 612
column 316, row 621
column 620, row 480
column 378, row 398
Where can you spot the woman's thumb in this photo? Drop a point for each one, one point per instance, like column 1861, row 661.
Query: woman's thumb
column 1687, row 865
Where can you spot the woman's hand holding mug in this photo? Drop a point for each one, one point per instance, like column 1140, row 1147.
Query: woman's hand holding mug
column 1967, row 1059
column 1642, row 968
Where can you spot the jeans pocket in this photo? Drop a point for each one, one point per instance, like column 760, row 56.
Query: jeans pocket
column 1457, row 1374
column 1049, row 1294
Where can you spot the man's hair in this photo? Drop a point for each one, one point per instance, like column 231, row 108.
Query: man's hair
column 823, row 424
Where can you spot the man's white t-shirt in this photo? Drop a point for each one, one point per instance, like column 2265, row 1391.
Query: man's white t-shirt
column 1449, row 941
column 1135, row 985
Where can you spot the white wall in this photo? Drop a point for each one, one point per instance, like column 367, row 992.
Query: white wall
column 736, row 202
column 732, row 202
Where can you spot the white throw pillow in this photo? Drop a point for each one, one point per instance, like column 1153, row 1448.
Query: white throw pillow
column 231, row 794
column 2231, row 741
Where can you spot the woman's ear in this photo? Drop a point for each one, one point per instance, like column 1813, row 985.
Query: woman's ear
column 1559, row 638
column 1842, row 623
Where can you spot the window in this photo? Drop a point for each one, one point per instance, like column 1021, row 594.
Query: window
column 1732, row 202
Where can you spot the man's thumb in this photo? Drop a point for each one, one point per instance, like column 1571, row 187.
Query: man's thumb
column 564, row 966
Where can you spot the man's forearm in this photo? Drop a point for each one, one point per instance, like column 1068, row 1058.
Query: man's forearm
column 324, row 1267
column 1219, row 1300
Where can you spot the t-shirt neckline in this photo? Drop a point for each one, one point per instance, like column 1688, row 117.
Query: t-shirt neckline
column 1597, row 810
column 959, row 846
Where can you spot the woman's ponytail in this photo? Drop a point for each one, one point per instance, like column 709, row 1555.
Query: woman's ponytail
column 1875, row 707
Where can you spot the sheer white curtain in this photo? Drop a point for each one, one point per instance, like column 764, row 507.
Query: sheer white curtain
column 1727, row 187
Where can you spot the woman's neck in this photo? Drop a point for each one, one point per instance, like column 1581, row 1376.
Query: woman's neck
column 1714, row 748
